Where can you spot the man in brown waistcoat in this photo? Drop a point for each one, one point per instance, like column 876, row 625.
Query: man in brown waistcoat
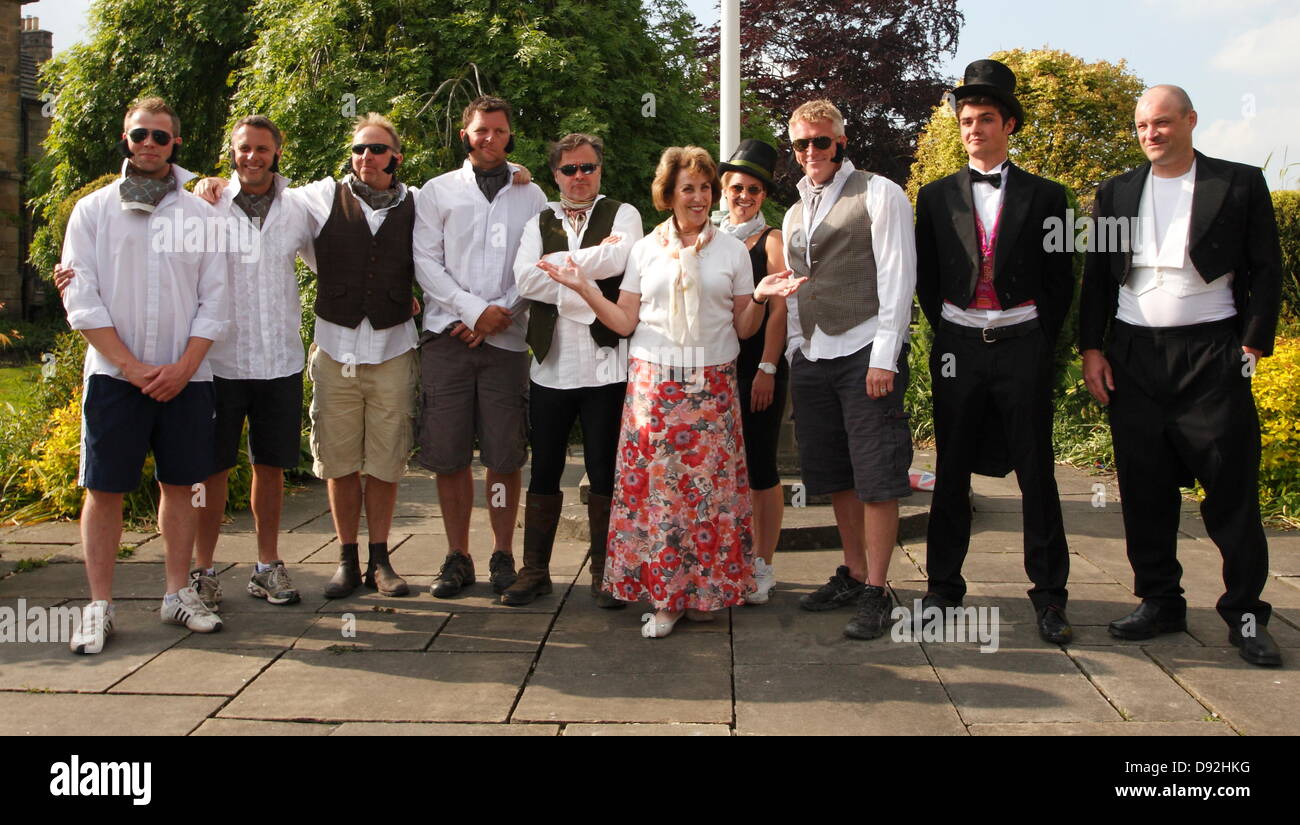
column 851, row 236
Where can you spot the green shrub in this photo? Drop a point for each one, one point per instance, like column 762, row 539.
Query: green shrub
column 1286, row 205
column 1277, row 396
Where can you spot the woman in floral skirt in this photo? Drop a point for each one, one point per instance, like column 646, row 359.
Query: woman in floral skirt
column 680, row 527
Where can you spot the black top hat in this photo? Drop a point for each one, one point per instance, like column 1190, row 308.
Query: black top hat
column 753, row 157
column 990, row 78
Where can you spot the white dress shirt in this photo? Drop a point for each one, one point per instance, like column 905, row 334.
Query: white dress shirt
column 1164, row 289
column 465, row 252
column 266, row 311
column 725, row 272
column 574, row 359
column 988, row 203
column 150, row 276
column 893, row 243
column 363, row 344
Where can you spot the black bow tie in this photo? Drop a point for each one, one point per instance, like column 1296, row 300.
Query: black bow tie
column 994, row 180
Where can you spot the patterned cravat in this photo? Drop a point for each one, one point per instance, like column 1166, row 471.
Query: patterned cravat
column 376, row 199
column 256, row 207
column 141, row 194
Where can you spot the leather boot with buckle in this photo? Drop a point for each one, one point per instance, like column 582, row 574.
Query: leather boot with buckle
column 348, row 575
column 598, row 517
column 380, row 575
column 541, row 519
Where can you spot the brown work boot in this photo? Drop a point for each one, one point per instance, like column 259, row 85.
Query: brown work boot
column 598, row 517
column 541, row 518
column 380, row 575
column 348, row 575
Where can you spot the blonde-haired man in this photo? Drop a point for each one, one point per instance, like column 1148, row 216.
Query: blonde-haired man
column 851, row 235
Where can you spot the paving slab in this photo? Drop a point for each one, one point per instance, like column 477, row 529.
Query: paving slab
column 492, row 633
column 197, row 671
column 646, row 730
column 1018, row 686
column 62, row 532
column 1208, row 628
column 138, row 637
column 68, row 581
column 242, row 547
column 627, row 652
column 441, row 729
column 80, row 714
column 373, row 631
column 897, row 693
column 568, row 694
column 253, row 631
column 1254, row 700
column 1106, row 729
column 779, row 632
column 1136, row 686
column 248, row 727
column 39, row 553
column 384, row 686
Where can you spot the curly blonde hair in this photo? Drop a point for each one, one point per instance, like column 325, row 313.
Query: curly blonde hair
column 815, row 110
column 678, row 159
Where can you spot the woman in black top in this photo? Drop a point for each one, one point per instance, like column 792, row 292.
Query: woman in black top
column 762, row 370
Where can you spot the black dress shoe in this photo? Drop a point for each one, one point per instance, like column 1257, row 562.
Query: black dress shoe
column 1259, row 649
column 1147, row 622
column 935, row 600
column 1053, row 627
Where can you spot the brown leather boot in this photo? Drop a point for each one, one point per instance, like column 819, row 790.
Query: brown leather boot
column 598, row 517
column 348, row 575
column 380, row 575
column 541, row 518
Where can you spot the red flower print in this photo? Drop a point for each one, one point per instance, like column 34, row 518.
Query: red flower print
column 670, row 392
column 682, row 438
column 695, row 459
column 635, row 481
column 706, row 539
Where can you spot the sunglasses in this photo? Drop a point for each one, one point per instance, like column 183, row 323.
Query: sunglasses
column 571, row 169
column 753, row 189
column 138, row 135
column 375, row 148
column 821, row 144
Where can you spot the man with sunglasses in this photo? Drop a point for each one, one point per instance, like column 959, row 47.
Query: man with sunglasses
column 996, row 298
column 150, row 315
column 474, row 359
column 575, row 373
column 851, row 235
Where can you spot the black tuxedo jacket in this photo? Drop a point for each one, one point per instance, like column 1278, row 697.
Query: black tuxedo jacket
column 947, row 248
column 1233, row 229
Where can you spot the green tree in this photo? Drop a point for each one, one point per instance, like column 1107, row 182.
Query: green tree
column 1286, row 205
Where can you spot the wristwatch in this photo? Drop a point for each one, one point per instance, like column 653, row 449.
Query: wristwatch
column 770, row 369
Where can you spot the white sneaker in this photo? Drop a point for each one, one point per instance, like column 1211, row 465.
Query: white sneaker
column 764, row 581
column 208, row 588
column 96, row 627
column 189, row 610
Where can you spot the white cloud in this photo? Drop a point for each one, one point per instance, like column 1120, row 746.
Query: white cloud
column 1272, row 131
column 1268, row 50
column 1208, row 8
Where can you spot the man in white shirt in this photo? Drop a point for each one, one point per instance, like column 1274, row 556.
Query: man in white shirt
column 576, row 372
column 474, row 357
column 150, row 301
column 851, row 235
column 1171, row 325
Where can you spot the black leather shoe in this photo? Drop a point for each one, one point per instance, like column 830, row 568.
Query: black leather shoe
column 935, row 600
column 1147, row 622
column 1053, row 627
column 457, row 572
column 1259, row 649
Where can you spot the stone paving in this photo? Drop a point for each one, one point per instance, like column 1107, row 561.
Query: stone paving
column 409, row 666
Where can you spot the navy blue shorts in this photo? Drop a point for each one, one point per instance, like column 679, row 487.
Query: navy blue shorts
column 120, row 425
column 273, row 408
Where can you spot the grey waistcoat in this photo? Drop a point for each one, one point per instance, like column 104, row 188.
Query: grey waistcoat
column 841, row 288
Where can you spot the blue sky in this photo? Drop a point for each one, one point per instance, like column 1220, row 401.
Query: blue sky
column 1239, row 59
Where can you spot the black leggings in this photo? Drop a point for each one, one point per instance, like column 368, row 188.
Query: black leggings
column 551, row 414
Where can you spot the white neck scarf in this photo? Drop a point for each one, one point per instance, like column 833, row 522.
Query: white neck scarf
column 746, row 230
column 684, row 305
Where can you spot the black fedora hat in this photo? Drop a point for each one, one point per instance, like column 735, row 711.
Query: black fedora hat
column 753, row 157
column 991, row 78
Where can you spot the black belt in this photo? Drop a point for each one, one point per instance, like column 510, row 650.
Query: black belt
column 991, row 335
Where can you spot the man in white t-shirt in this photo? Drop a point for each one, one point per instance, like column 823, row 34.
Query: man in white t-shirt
column 1171, row 326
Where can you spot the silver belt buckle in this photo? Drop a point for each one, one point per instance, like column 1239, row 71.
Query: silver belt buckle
column 986, row 335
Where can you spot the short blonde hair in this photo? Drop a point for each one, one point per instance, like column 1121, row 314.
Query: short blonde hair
column 376, row 119
column 674, row 161
column 154, row 106
column 815, row 110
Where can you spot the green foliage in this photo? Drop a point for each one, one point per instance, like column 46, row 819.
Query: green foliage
column 1277, row 396
column 47, row 245
column 1286, row 206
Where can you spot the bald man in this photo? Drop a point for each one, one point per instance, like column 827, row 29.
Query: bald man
column 1172, row 323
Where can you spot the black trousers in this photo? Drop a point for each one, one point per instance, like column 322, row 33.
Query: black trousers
column 551, row 414
column 1182, row 409
column 1005, row 384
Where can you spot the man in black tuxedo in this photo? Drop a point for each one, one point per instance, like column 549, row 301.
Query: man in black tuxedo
column 1184, row 311
column 996, row 299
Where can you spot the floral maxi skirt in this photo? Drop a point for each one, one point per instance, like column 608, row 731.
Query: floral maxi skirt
column 680, row 528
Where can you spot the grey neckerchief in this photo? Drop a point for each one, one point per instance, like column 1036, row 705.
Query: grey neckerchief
column 376, row 199
column 815, row 191
column 491, row 181
column 256, row 207
column 141, row 194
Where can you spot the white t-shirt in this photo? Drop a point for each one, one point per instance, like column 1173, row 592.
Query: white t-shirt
column 725, row 272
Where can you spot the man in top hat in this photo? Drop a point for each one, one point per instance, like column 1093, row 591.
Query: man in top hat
column 1183, row 317
column 996, row 299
